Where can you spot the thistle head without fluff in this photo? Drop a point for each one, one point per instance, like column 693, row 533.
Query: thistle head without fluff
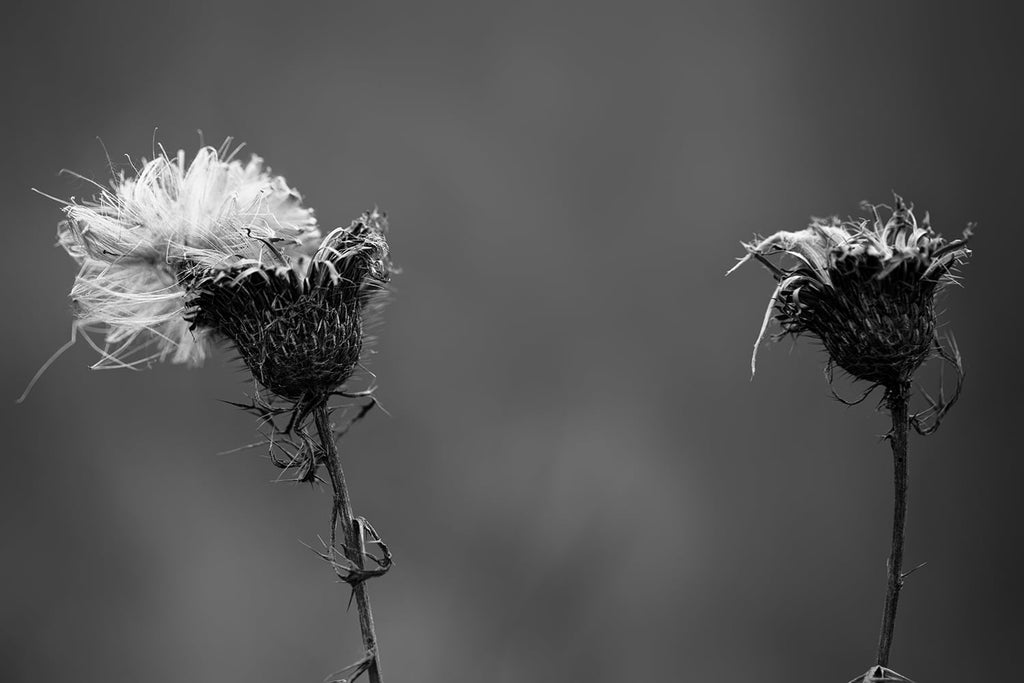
column 865, row 288
column 298, row 324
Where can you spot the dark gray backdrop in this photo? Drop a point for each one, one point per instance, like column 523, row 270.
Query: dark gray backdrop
column 577, row 476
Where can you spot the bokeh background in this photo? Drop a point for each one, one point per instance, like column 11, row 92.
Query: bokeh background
column 578, row 478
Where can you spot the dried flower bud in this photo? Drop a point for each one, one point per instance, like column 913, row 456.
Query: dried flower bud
column 299, row 325
column 143, row 239
column 865, row 289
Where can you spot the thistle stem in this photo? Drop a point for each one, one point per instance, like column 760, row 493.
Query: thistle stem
column 342, row 513
column 898, row 402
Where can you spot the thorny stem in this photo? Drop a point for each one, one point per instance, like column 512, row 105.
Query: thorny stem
column 350, row 531
column 898, row 403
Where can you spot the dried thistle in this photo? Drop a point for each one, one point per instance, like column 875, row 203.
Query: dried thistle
column 183, row 254
column 866, row 290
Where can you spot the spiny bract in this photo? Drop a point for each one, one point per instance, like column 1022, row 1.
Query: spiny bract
column 298, row 325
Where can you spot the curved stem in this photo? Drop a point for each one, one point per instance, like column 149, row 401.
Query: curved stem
column 342, row 513
column 898, row 403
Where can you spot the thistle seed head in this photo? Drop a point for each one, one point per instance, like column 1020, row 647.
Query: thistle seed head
column 864, row 288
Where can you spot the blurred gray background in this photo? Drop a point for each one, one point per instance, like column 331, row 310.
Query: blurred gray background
column 577, row 476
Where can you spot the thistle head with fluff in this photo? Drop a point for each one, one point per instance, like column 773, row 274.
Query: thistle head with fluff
column 865, row 288
column 185, row 253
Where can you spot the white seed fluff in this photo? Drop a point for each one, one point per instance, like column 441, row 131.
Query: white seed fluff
column 139, row 241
